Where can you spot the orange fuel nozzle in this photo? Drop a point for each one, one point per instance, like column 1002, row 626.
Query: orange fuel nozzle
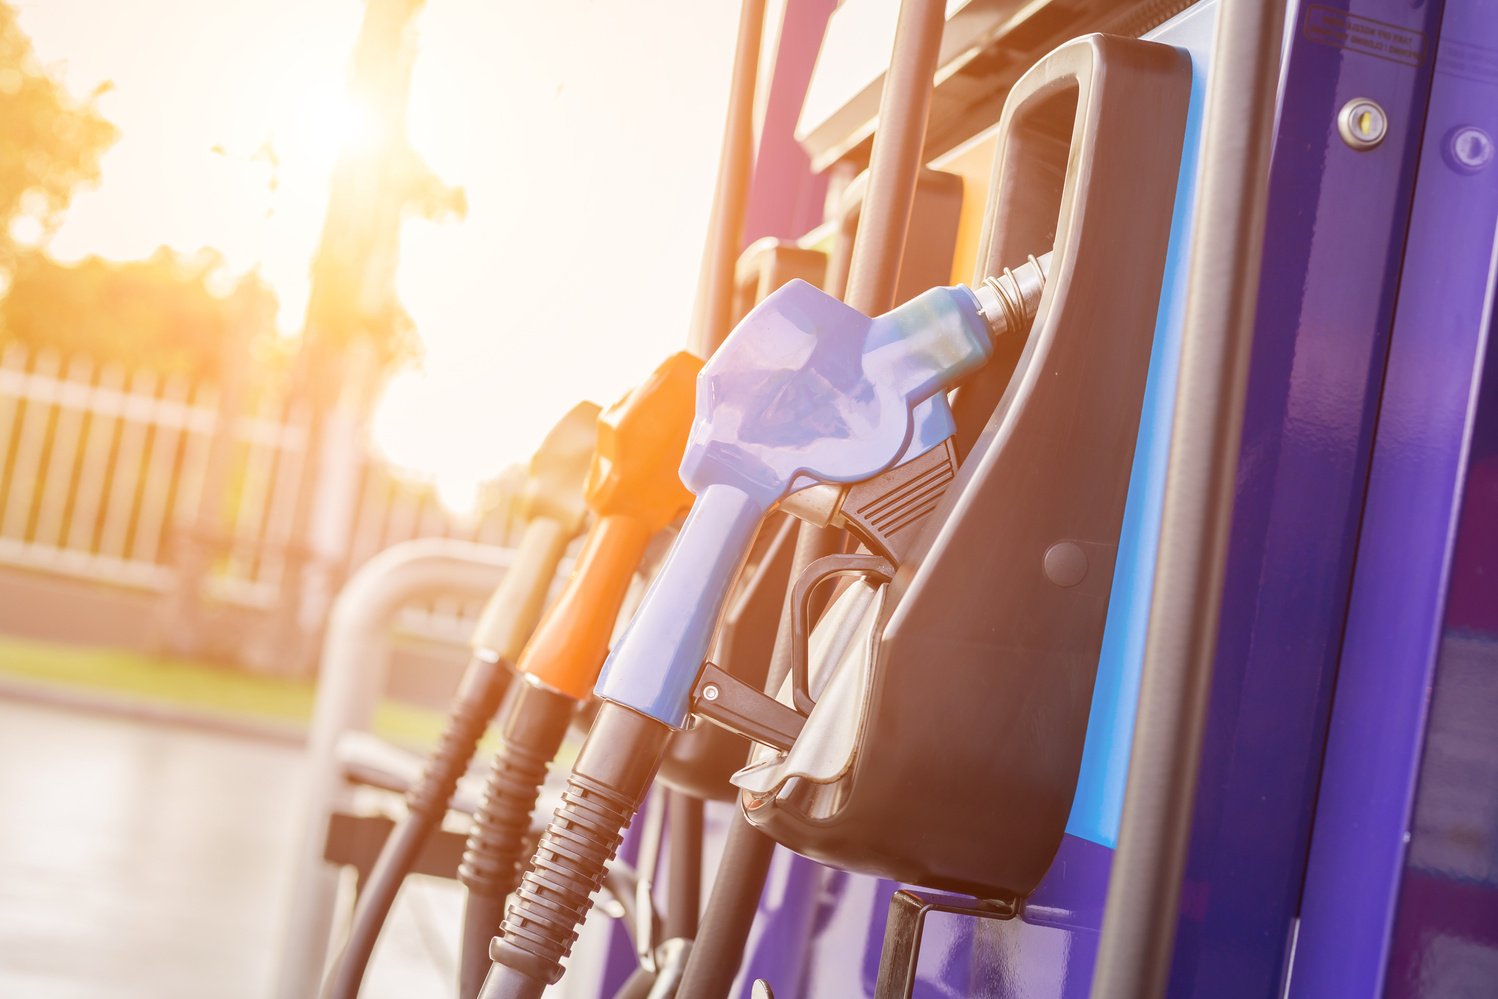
column 634, row 490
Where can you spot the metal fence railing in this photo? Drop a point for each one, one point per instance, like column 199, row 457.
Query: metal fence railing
column 103, row 472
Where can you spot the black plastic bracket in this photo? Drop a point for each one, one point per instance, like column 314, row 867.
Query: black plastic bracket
column 906, row 923
column 725, row 700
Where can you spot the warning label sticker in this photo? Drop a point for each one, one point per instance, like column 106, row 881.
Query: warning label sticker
column 1363, row 34
column 1468, row 60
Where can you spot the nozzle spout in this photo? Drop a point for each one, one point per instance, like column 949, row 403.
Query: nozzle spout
column 1008, row 302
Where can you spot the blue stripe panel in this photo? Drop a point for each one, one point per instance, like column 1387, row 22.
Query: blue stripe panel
column 1110, row 728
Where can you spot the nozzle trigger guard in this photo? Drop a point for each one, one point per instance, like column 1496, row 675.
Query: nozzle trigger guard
column 874, row 568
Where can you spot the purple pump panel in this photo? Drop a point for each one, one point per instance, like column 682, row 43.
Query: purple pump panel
column 1335, row 245
column 1445, row 932
column 785, row 197
column 1395, row 631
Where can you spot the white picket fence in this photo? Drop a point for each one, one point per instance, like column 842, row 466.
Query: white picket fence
column 102, row 472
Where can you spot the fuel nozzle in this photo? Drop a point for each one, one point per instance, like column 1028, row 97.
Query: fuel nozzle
column 633, row 492
column 806, row 390
column 552, row 505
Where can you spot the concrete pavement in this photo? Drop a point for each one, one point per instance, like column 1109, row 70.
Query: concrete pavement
column 141, row 860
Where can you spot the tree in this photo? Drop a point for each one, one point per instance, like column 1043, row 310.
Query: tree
column 161, row 312
column 50, row 143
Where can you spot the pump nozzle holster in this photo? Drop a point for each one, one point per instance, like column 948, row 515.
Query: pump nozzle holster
column 953, row 703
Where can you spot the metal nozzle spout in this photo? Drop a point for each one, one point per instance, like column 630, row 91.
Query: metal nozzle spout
column 1008, row 302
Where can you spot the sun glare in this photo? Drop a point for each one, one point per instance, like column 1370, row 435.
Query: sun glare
column 326, row 125
column 540, row 120
column 424, row 429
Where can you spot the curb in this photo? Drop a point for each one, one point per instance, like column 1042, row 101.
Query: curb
column 157, row 712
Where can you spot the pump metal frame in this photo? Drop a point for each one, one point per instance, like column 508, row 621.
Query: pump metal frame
column 354, row 664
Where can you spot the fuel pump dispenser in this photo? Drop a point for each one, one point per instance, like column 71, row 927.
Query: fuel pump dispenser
column 806, row 391
column 552, row 505
column 633, row 493
column 1007, row 586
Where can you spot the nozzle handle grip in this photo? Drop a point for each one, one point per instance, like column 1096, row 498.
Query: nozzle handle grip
column 516, row 604
column 569, row 647
column 681, row 610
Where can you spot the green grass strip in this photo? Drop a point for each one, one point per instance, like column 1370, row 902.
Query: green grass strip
column 203, row 688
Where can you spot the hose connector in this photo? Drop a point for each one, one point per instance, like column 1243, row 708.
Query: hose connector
column 1008, row 302
column 612, row 773
column 532, row 725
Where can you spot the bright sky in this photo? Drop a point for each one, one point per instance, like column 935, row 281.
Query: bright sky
column 585, row 133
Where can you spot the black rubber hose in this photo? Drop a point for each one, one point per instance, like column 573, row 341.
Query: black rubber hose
column 731, row 908
column 478, row 696
column 612, row 773
column 734, row 900
column 725, row 236
column 500, row 984
column 637, row 985
column 482, row 915
column 684, row 884
column 532, row 724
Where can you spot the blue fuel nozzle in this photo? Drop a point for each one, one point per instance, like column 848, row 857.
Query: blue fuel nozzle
column 805, row 390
